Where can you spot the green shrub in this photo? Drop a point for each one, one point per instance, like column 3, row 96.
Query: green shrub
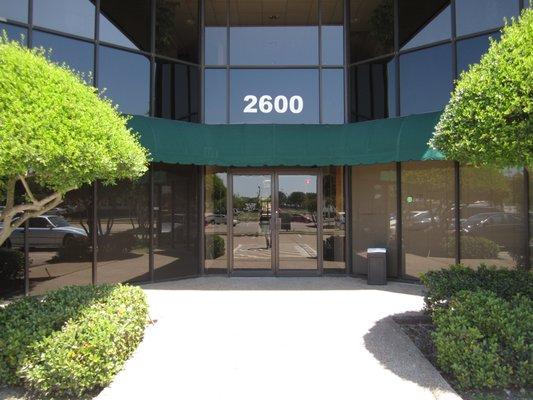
column 472, row 247
column 73, row 340
column 443, row 284
column 485, row 341
column 11, row 264
column 214, row 247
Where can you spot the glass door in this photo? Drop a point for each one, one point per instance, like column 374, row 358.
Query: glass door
column 251, row 226
column 297, row 222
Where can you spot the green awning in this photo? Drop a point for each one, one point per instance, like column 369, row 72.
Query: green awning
column 379, row 141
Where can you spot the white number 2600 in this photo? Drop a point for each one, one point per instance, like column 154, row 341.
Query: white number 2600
column 279, row 104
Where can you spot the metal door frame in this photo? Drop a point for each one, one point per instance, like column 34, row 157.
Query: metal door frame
column 274, row 185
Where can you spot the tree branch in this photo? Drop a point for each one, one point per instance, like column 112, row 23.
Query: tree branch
column 27, row 188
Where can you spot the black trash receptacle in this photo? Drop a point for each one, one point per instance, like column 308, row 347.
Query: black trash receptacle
column 377, row 266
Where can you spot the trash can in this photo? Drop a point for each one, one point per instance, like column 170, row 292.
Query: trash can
column 377, row 266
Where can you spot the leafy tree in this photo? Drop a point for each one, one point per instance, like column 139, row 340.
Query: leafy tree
column 57, row 133
column 489, row 119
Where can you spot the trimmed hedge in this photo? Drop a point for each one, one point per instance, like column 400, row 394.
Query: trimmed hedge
column 505, row 283
column 11, row 264
column 73, row 340
column 472, row 247
column 485, row 341
column 215, row 247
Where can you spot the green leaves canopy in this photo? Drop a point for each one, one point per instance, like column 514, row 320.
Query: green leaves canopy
column 56, row 128
column 489, row 119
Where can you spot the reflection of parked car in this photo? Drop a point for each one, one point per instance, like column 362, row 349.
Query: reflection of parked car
column 46, row 231
column 300, row 218
column 500, row 227
column 419, row 220
column 217, row 219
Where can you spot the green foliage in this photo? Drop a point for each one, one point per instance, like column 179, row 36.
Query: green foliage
column 72, row 341
column 472, row 247
column 215, row 247
column 11, row 264
column 443, row 284
column 56, row 128
column 489, row 119
column 485, row 341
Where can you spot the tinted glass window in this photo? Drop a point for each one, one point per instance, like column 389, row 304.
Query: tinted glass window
column 332, row 12
column 176, row 221
column 76, row 54
column 287, row 45
column 492, row 223
column 16, row 10
column 427, row 216
column 425, row 80
column 332, row 96
column 373, row 90
column 177, row 29
column 469, row 51
column 215, row 99
column 374, row 215
column 371, row 28
column 215, row 219
column 215, row 33
column 273, row 33
column 14, row 32
column 422, row 22
column 129, row 90
column 296, row 92
column 332, row 45
column 475, row 16
column 334, row 219
column 126, row 23
column 123, row 231
column 62, row 256
column 71, row 16
column 177, row 90
column 215, row 45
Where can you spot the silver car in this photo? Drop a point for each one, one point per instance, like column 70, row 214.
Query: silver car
column 46, row 232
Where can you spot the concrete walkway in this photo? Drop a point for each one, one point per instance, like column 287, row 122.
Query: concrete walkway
column 278, row 338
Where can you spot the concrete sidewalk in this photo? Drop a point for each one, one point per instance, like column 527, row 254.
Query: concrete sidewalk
column 276, row 339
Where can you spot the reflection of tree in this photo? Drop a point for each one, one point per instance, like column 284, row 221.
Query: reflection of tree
column 381, row 21
column 282, row 198
column 216, row 193
column 296, row 199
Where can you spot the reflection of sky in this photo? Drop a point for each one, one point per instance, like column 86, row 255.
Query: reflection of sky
column 297, row 183
column 16, row 10
column 110, row 33
column 13, row 32
column 286, row 82
column 438, row 29
column 473, row 17
column 75, row 16
column 469, row 51
column 248, row 185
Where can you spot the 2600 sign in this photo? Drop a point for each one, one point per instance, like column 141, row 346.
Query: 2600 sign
column 280, row 104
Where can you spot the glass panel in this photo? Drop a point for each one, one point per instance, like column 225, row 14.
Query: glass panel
column 215, row 99
column 216, row 219
column 14, row 33
column 176, row 91
column 332, row 12
column 123, row 231
column 252, row 233
column 423, row 22
column 126, row 23
column 297, row 90
column 492, row 223
column 215, row 32
column 297, row 222
column 131, row 90
column 428, row 221
column 332, row 96
column 215, row 46
column 425, row 80
column 70, row 16
column 332, row 45
column 374, row 215
column 373, row 90
column 473, row 16
column 469, row 51
column 177, row 31
column 60, row 244
column 15, row 10
column 371, row 28
column 287, row 45
column 334, row 219
column 176, row 221
column 76, row 54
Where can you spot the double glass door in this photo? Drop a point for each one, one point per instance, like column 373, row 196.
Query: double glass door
column 275, row 223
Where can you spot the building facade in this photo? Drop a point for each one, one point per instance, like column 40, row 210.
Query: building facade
column 312, row 66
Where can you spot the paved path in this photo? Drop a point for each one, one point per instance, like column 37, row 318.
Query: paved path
column 278, row 338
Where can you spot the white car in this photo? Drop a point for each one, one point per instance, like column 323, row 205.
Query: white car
column 46, row 232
